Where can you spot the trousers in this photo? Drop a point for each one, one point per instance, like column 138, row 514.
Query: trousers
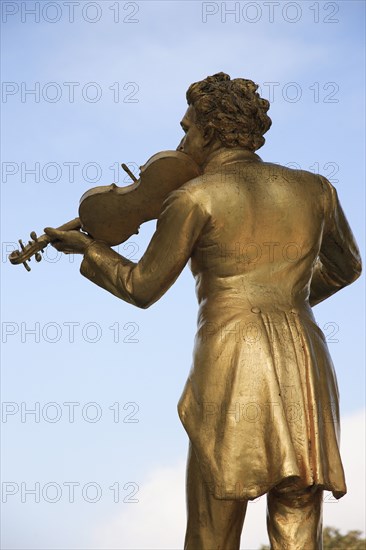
column 294, row 517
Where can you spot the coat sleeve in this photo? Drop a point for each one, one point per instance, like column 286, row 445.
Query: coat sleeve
column 143, row 283
column 339, row 261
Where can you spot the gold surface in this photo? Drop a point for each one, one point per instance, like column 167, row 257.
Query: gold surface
column 265, row 243
column 261, row 402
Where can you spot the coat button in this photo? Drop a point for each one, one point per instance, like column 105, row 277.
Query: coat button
column 256, row 310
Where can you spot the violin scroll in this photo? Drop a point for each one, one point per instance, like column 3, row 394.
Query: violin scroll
column 37, row 245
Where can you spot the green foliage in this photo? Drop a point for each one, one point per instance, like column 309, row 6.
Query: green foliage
column 334, row 540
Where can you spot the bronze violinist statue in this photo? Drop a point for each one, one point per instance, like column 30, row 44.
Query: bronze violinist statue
column 265, row 244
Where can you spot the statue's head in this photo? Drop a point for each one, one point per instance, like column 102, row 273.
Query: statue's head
column 230, row 110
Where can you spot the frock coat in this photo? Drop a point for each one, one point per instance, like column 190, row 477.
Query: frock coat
column 264, row 243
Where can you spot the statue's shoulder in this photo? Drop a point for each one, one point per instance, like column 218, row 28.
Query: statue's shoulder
column 196, row 191
column 195, row 185
column 290, row 172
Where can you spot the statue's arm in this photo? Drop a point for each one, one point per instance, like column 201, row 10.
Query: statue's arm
column 339, row 261
column 143, row 283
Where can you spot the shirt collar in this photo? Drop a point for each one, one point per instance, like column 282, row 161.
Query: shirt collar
column 228, row 156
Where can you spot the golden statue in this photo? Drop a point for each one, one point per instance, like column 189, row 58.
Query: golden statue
column 265, row 243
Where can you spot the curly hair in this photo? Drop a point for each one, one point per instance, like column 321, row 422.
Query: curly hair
column 233, row 108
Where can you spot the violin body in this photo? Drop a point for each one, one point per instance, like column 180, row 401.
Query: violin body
column 112, row 214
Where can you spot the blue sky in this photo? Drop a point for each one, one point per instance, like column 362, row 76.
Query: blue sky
column 310, row 57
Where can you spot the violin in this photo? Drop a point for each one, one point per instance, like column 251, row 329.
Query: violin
column 112, row 214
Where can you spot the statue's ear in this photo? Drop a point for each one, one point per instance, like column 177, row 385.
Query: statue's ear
column 209, row 134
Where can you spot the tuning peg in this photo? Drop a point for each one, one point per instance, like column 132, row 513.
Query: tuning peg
column 26, row 266
column 38, row 257
column 33, row 236
column 21, row 244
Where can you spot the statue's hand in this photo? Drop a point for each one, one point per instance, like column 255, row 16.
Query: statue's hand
column 69, row 242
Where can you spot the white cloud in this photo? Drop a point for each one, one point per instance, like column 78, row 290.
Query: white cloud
column 158, row 521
